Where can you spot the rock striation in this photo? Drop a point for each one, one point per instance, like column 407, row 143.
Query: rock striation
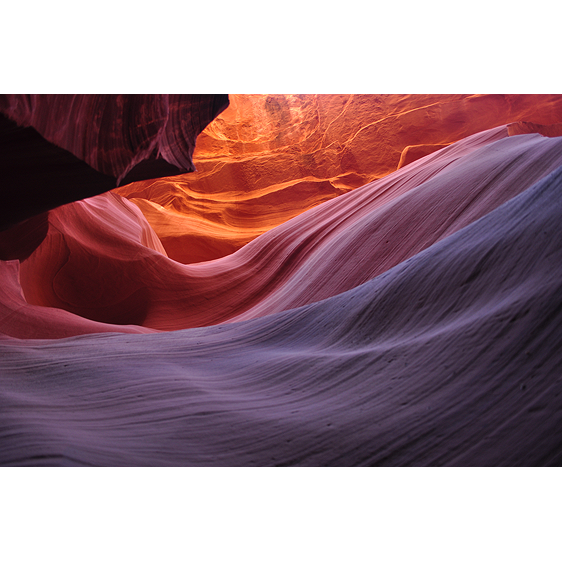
column 269, row 157
column 450, row 358
column 412, row 320
column 56, row 149
column 101, row 260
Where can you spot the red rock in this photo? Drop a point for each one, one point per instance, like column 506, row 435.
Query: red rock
column 413, row 320
column 412, row 153
column 61, row 148
column 22, row 320
column 101, row 260
column 269, row 157
column 525, row 128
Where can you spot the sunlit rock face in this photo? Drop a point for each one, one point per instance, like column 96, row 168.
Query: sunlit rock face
column 61, row 148
column 269, row 157
column 338, row 137
column 101, row 261
column 412, row 320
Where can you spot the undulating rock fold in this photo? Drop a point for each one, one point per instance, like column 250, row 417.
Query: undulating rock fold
column 449, row 358
column 346, row 280
column 269, row 157
column 101, row 260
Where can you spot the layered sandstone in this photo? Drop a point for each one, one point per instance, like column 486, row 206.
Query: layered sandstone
column 451, row 357
column 101, row 260
column 56, row 149
column 412, row 320
column 269, row 157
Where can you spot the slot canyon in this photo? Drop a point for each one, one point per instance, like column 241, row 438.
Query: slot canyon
column 281, row 280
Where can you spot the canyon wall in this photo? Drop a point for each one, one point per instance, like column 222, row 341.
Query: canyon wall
column 415, row 319
column 269, row 157
column 56, row 149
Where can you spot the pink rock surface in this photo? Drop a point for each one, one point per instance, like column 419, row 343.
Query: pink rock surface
column 450, row 358
column 415, row 320
column 101, row 260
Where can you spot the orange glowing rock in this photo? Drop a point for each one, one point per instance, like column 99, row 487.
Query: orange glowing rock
column 413, row 320
column 100, row 259
column 412, row 153
column 270, row 157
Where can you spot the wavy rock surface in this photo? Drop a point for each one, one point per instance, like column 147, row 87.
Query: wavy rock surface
column 415, row 320
column 267, row 158
column 449, row 358
column 101, row 260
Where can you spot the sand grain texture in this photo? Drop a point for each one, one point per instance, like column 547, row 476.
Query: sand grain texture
column 449, row 358
column 412, row 320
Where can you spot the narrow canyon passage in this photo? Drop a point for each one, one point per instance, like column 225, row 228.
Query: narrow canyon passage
column 343, row 280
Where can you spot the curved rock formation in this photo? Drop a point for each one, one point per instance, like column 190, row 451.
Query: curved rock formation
column 101, row 260
column 55, row 149
column 414, row 320
column 269, row 157
column 412, row 153
column 450, row 358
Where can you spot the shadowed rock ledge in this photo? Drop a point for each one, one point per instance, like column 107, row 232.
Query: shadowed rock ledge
column 55, row 149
